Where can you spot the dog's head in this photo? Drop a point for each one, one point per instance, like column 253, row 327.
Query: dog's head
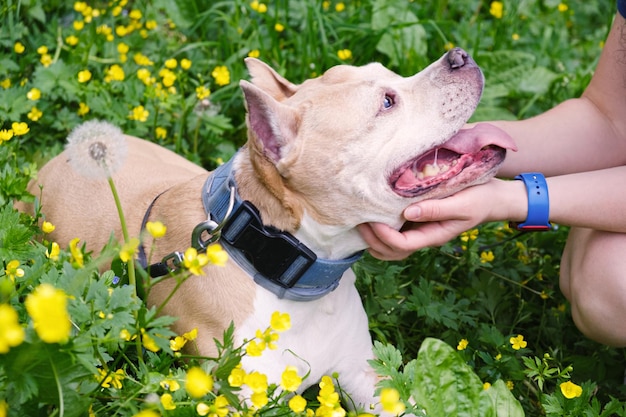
column 359, row 144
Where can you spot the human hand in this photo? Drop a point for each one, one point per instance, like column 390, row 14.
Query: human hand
column 435, row 222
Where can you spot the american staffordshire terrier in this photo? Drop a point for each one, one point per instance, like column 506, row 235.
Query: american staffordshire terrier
column 355, row 145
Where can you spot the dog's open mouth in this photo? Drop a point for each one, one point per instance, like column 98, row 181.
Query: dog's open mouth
column 466, row 156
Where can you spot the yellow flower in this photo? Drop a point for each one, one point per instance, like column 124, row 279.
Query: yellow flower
column 170, row 385
column 78, row 25
column 256, row 381
column 259, row 399
column 194, row 262
column 71, row 40
column 171, row 63
column 34, row 114
column 518, row 342
column 114, row 73
column 344, row 54
column 486, row 386
column 279, row 27
column 254, row 349
column 515, row 37
column 6, row 83
column 141, row 59
column 486, row 257
column 42, row 50
column 221, row 75
column 148, row 342
column 463, row 343
column 168, row 402
column 151, row 24
column 54, row 252
column 297, row 404
column 290, row 380
column 156, row 229
column 135, row 14
column 13, row 270
column 498, row 356
column 510, row 385
column 121, row 31
column 47, row 306
column 6, row 135
column 83, row 109
column 20, row 128
column 168, row 77
column 11, row 332
column 496, row 9
column 340, row 7
column 255, row 53
column 191, row 334
column 139, row 113
column 4, row 408
column 448, row 45
column 122, row 48
column 177, row 343
column 202, row 92
column 562, row 7
column 160, row 133
column 258, row 7
column 147, row 413
column 469, row 235
column 390, row 401
column 47, row 227
column 77, row 254
column 84, row 76
column 46, row 60
column 185, row 63
column 217, row 256
column 219, row 408
column 280, row 322
column 198, row 383
column 108, row 379
column 19, row 47
column 237, row 376
column 34, row 94
column 571, row 390
column 125, row 335
column 129, row 249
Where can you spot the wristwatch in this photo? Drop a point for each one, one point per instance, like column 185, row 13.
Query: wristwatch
column 538, row 217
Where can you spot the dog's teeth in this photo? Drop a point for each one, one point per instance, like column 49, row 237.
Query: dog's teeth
column 431, row 170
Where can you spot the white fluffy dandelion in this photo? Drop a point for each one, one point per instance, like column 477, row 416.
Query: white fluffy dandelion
column 96, row 149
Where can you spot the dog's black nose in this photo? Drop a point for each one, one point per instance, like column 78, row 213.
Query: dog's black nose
column 457, row 58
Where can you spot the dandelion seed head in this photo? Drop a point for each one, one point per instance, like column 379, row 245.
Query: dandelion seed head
column 96, row 149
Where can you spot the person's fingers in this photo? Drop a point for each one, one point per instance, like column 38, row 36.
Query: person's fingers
column 384, row 242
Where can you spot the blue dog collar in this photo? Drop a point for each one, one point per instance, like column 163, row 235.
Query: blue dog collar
column 538, row 217
column 275, row 259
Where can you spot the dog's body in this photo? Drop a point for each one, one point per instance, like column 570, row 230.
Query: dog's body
column 322, row 157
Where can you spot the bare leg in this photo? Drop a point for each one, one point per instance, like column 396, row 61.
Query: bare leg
column 593, row 278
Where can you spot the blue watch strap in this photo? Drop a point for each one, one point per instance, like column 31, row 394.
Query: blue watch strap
column 538, row 217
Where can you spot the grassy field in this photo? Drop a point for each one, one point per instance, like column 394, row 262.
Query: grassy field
column 168, row 71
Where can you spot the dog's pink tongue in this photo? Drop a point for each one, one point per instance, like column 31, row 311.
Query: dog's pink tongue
column 474, row 139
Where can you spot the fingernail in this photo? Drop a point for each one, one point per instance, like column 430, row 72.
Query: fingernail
column 412, row 212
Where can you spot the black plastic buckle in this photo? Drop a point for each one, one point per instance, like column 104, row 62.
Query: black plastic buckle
column 275, row 254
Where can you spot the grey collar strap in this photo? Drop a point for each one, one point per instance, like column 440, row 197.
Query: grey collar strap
column 275, row 259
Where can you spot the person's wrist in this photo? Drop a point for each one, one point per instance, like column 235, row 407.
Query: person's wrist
column 538, row 203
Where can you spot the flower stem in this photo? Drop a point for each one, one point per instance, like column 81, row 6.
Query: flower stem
column 131, row 262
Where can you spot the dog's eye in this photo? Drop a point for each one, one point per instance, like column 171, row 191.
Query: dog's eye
column 388, row 101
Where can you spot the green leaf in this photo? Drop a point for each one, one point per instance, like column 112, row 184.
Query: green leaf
column 444, row 385
column 499, row 399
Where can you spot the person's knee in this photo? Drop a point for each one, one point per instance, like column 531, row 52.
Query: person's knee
column 599, row 308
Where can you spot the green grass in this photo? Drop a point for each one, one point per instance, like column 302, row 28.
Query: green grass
column 535, row 55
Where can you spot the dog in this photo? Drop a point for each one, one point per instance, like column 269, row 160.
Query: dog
column 355, row 145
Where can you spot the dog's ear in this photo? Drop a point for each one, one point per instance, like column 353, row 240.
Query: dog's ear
column 272, row 124
column 268, row 80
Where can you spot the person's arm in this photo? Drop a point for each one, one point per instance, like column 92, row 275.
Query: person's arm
column 582, row 134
